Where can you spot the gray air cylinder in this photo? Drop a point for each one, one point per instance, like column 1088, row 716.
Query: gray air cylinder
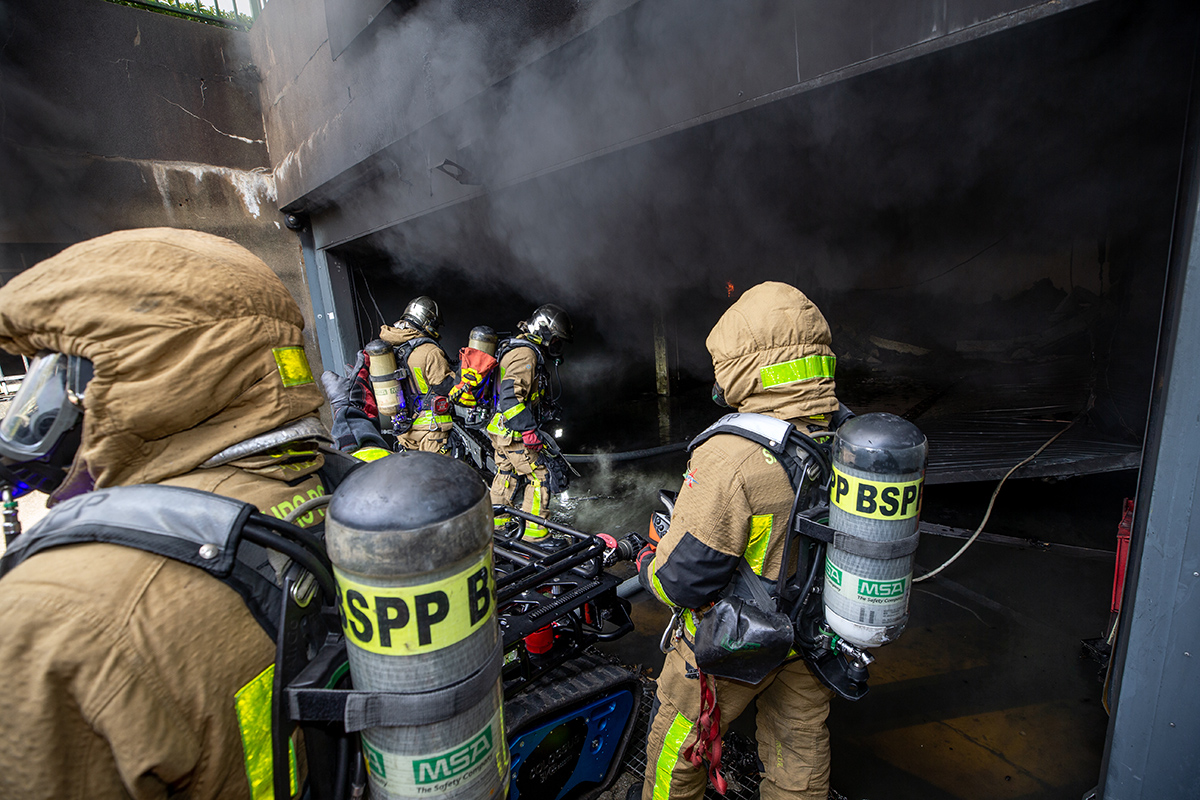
column 875, row 497
column 410, row 538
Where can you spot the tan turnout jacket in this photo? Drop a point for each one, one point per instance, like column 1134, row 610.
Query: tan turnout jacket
column 121, row 667
column 428, row 369
column 735, row 497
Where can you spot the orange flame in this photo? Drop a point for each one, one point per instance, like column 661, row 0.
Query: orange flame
column 728, row 289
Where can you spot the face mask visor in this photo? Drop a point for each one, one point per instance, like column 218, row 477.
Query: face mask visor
column 718, row 396
column 40, row 430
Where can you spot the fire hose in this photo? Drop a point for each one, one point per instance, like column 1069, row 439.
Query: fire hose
column 628, row 455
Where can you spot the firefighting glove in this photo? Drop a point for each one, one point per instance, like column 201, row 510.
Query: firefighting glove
column 644, row 559
column 532, row 440
column 337, row 390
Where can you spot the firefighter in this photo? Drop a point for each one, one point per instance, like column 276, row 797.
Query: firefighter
column 771, row 355
column 430, row 377
column 162, row 357
column 522, row 402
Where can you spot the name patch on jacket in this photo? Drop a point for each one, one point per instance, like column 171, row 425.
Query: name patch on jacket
column 408, row 620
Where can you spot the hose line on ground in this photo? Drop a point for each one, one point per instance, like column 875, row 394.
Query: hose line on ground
column 628, row 455
column 987, row 514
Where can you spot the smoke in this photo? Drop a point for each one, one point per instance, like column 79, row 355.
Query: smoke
column 951, row 181
column 619, row 499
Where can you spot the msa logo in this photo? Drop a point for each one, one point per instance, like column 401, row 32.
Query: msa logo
column 456, row 762
column 833, row 573
column 881, row 589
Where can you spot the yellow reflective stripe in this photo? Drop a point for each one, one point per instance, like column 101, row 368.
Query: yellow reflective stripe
column 689, row 622
column 658, row 589
column 532, row 528
column 498, row 427
column 428, row 417
column 293, row 366
column 801, row 369
column 760, row 538
column 512, row 412
column 370, row 453
column 253, row 704
column 422, row 386
column 672, row 744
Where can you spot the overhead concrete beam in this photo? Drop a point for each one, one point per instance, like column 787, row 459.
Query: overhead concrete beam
column 646, row 71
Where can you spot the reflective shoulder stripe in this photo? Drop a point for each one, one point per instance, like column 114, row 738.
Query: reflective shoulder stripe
column 293, row 366
column 370, row 453
column 422, row 385
column 681, row 726
column 801, row 369
column 760, row 539
column 253, row 703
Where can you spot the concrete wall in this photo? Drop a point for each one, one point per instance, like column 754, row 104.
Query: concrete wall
column 116, row 117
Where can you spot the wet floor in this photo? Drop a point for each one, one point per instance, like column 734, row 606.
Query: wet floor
column 987, row 694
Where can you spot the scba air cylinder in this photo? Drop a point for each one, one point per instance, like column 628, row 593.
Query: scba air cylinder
column 383, row 377
column 875, row 497
column 410, row 538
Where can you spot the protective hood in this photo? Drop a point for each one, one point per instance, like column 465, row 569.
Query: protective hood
column 771, row 354
column 195, row 342
column 398, row 336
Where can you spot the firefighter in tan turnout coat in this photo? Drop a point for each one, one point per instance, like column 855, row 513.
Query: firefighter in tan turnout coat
column 429, row 376
column 128, row 673
column 771, row 355
column 521, row 396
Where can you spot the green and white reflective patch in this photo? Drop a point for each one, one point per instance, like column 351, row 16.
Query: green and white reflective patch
column 293, row 366
column 434, row 774
column 802, row 369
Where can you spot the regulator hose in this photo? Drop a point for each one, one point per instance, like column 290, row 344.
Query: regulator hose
column 628, row 455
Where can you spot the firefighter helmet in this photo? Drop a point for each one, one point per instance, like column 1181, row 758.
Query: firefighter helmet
column 548, row 326
column 423, row 314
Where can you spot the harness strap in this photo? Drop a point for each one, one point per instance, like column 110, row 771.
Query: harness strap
column 867, row 548
column 360, row 710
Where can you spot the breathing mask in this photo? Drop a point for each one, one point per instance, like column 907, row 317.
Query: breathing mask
column 718, row 396
column 41, row 430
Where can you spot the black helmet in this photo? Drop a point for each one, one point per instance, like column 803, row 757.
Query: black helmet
column 422, row 313
column 548, row 326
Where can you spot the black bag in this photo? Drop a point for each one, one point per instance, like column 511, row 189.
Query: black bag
column 557, row 477
column 740, row 639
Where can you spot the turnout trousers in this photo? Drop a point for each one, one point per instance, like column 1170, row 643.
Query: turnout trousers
column 514, row 461
column 426, row 441
column 793, row 741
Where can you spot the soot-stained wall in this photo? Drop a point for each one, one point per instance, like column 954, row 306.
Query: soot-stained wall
column 116, row 117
